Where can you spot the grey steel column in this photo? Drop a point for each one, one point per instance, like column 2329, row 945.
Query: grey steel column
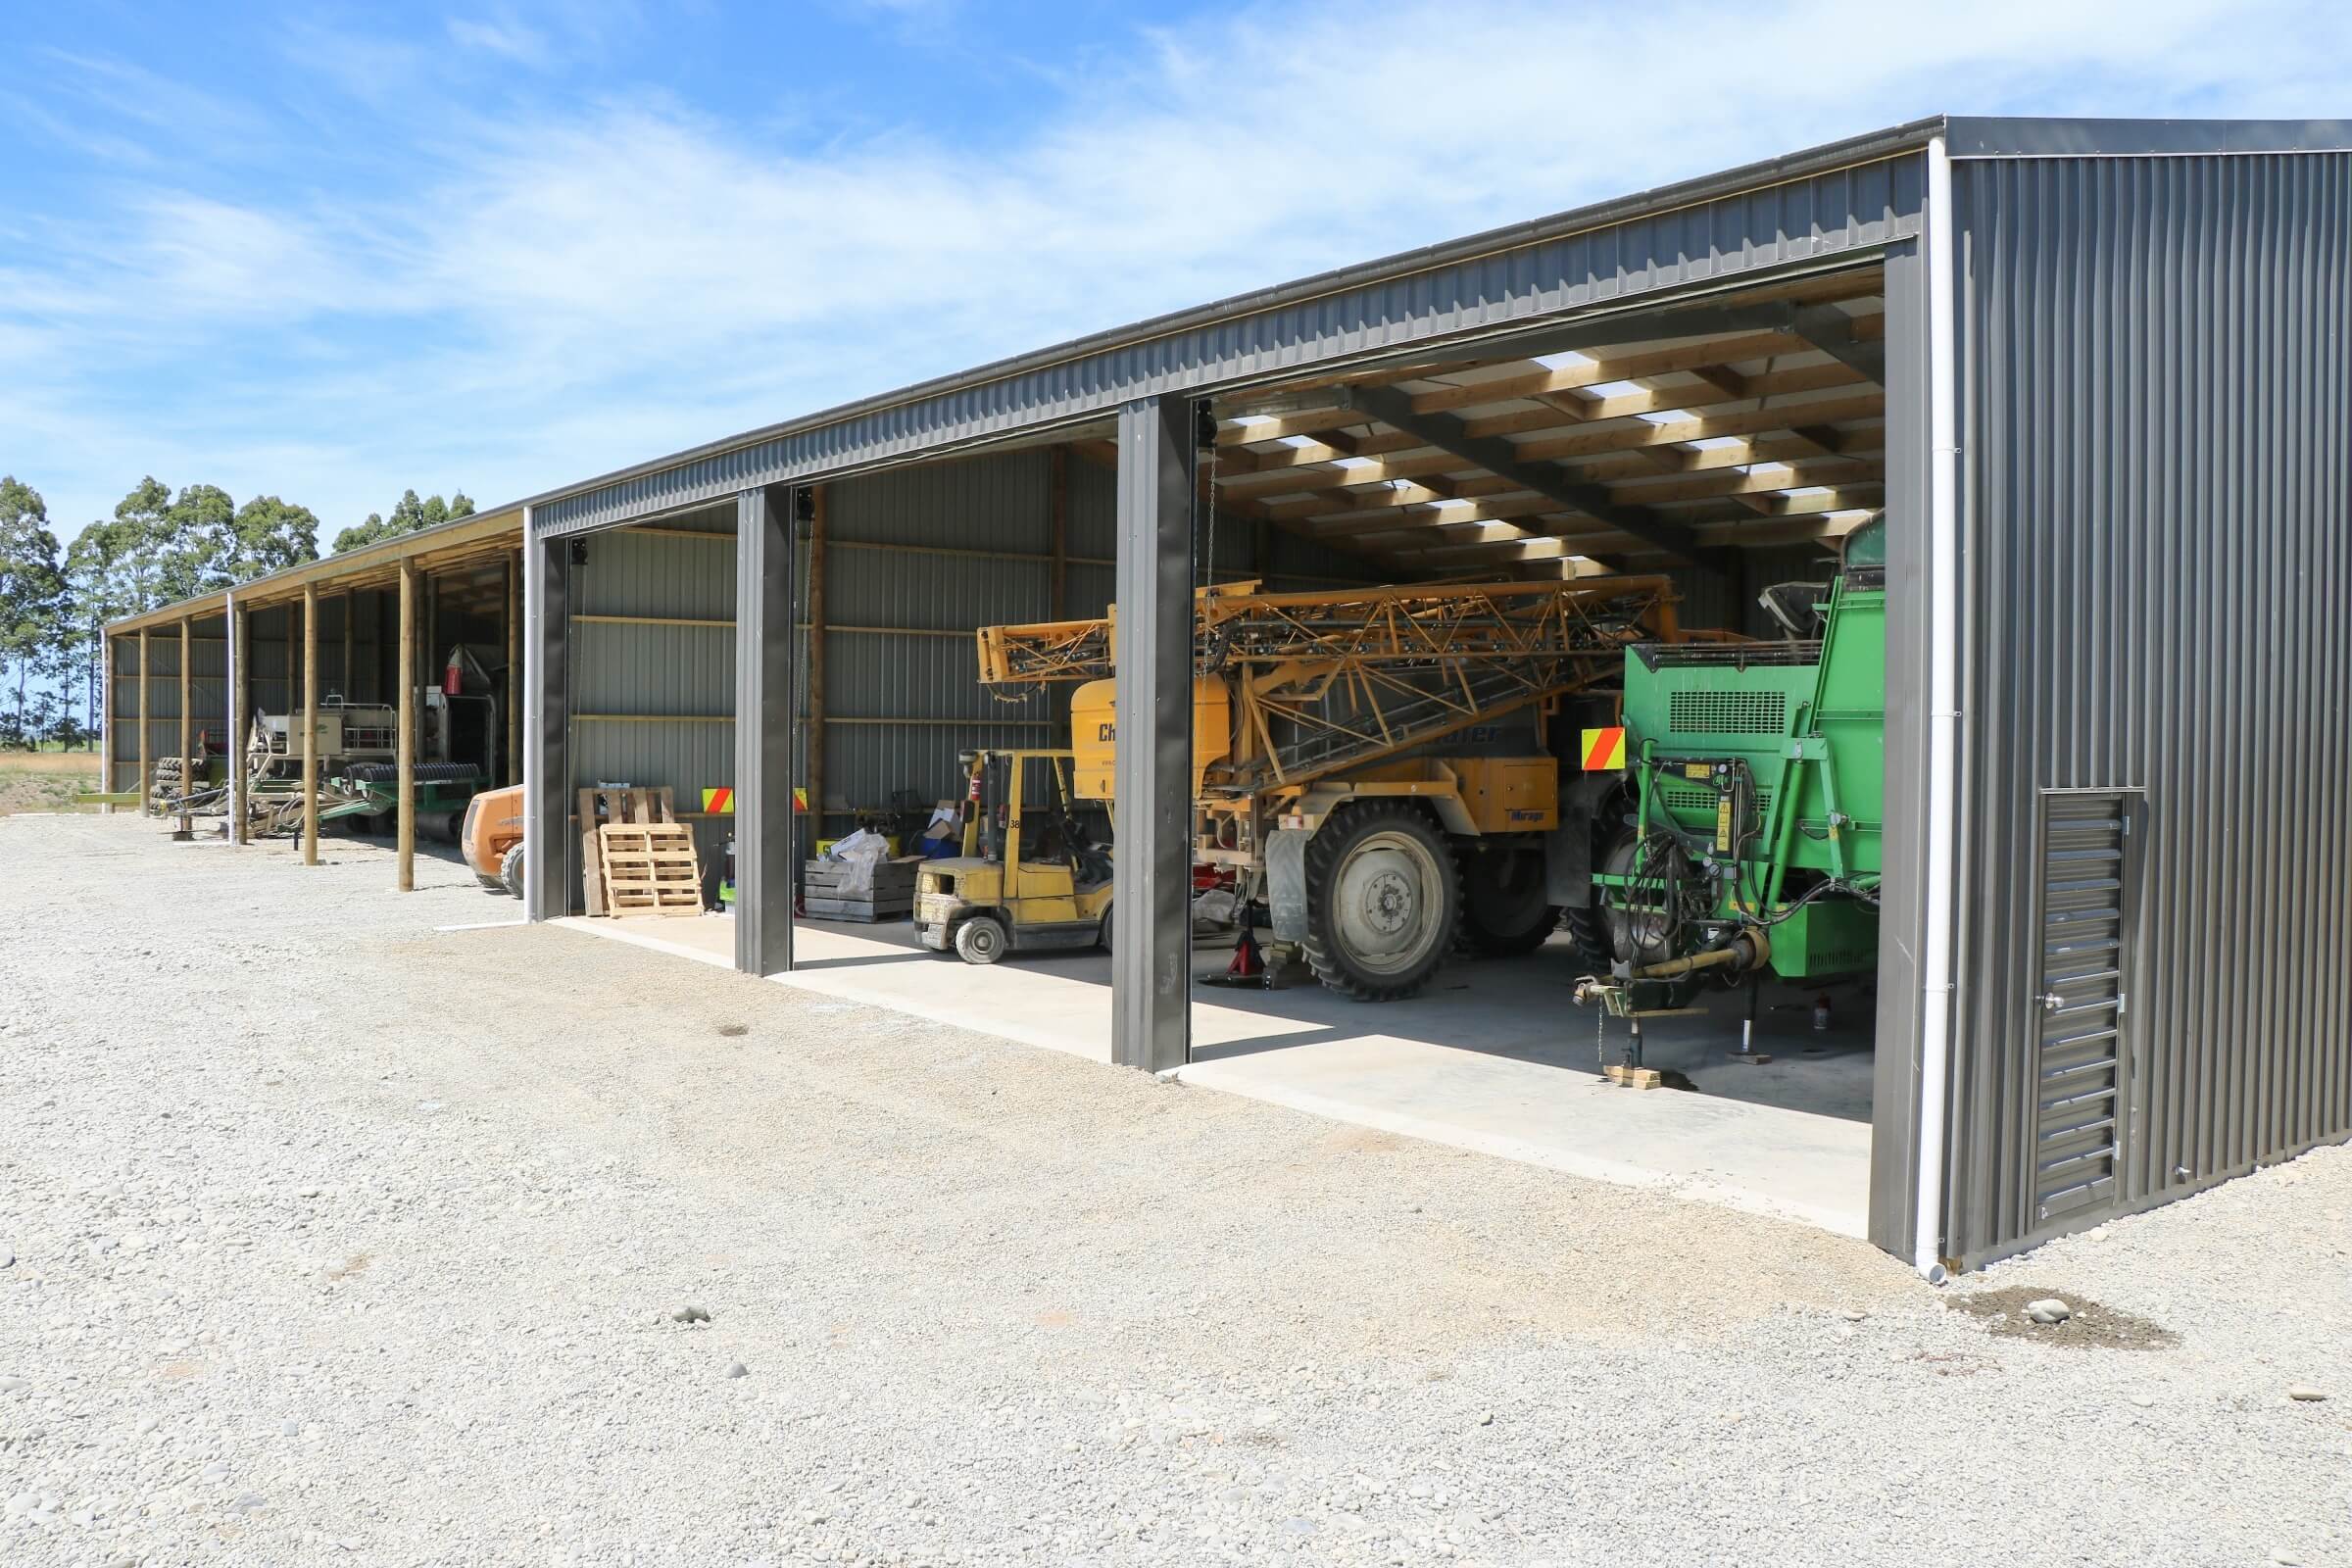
column 764, row 655
column 241, row 660
column 547, row 858
column 1152, row 928
column 1902, row 895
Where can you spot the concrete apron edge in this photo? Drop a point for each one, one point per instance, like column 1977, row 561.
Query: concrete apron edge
column 1616, row 1173
column 1203, row 1075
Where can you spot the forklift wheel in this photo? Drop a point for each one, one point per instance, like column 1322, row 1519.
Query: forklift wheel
column 980, row 940
column 510, row 869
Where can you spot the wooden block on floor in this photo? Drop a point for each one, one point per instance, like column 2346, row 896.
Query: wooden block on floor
column 1625, row 1077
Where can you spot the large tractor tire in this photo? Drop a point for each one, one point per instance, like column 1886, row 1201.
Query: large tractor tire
column 1504, row 893
column 1587, row 924
column 1587, row 927
column 1383, row 899
column 509, row 869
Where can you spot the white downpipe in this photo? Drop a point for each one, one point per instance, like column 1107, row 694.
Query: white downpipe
column 536, row 829
column 1944, row 714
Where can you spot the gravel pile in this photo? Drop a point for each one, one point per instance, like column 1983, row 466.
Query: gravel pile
column 329, row 1236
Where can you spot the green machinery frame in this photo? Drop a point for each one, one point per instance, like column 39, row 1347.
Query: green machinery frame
column 1758, row 787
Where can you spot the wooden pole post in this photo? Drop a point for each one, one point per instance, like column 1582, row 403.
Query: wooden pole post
column 514, row 667
column 144, row 776
column 187, row 715
column 240, row 718
column 310, row 723
column 405, row 744
column 348, row 683
column 816, row 666
column 422, row 671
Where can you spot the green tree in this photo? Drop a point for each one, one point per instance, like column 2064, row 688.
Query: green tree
column 268, row 535
column 195, row 542
column 134, row 546
column 101, row 585
column 408, row 515
column 32, row 589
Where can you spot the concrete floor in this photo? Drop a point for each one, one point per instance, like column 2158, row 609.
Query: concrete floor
column 1494, row 1058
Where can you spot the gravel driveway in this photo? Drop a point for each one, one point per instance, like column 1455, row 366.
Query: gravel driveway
column 338, row 1238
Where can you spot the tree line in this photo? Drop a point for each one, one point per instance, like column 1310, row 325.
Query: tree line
column 160, row 547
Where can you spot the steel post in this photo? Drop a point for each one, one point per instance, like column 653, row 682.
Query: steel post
column 764, row 656
column 1151, row 903
column 240, row 716
column 547, row 728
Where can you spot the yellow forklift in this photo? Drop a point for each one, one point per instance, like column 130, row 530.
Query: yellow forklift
column 1031, row 878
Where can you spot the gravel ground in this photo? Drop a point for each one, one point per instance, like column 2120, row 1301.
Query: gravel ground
column 334, row 1237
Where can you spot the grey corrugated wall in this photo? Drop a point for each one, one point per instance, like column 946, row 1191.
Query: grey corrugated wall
column 916, row 558
column 653, row 705
column 2157, row 492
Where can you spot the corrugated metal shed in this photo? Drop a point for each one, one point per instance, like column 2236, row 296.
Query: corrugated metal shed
column 2157, row 429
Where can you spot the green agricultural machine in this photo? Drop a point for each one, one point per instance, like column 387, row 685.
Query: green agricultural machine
column 1753, row 801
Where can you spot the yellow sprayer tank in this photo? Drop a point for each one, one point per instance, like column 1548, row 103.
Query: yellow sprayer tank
column 1094, row 728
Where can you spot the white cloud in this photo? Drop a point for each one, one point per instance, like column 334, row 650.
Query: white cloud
column 573, row 289
column 505, row 38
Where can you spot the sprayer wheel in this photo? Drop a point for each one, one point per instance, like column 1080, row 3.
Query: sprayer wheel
column 1383, row 897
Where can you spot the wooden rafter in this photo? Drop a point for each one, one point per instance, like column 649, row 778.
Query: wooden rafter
column 1685, row 397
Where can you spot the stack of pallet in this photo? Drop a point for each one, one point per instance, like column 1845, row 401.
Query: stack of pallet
column 650, row 869
column 635, row 856
column 839, row 889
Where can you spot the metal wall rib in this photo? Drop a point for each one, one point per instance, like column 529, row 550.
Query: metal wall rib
column 2157, row 472
column 1795, row 221
column 654, row 705
column 916, row 558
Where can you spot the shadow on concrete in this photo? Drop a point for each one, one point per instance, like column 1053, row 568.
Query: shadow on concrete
column 1522, row 1009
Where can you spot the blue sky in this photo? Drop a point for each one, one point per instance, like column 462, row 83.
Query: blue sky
column 333, row 252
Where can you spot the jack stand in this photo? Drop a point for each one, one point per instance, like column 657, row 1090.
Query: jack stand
column 1748, row 1050
column 185, row 831
column 1630, row 1074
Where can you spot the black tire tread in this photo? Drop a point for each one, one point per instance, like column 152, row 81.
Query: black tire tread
column 1489, row 941
column 1322, row 858
column 1590, row 932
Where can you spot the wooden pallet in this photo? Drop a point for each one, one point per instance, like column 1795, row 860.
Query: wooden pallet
column 650, row 869
column 613, row 804
column 1625, row 1077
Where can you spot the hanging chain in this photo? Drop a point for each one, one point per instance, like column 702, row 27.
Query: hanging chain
column 1209, row 567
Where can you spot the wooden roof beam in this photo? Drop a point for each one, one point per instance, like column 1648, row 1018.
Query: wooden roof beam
column 1662, row 400
column 1504, row 460
column 1633, row 434
column 1832, row 330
